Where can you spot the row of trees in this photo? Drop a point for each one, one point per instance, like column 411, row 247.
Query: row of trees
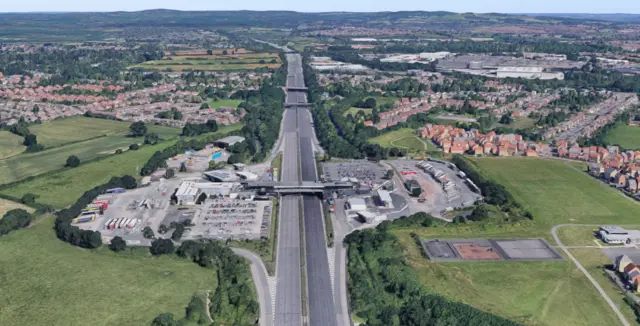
column 195, row 129
column 159, row 158
column 377, row 265
column 86, row 238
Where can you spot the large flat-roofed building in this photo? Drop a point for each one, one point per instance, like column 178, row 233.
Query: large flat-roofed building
column 616, row 234
column 221, row 175
column 228, row 141
column 189, row 191
column 527, row 72
column 356, row 204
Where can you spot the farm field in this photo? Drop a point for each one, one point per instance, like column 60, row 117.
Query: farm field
column 626, row 136
column 403, row 138
column 74, row 286
column 7, row 205
column 74, row 129
column 531, row 293
column 228, row 103
column 10, row 145
column 556, row 193
column 82, row 178
column 200, row 60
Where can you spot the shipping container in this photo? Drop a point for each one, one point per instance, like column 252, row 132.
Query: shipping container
column 122, row 223
column 84, row 219
column 106, row 224
column 115, row 190
column 132, row 223
column 112, row 224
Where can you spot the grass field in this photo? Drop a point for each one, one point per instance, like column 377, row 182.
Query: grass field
column 7, row 205
column 86, row 176
column 556, row 193
column 49, row 282
column 74, row 129
column 228, row 103
column 531, row 293
column 593, row 260
column 626, row 136
column 217, row 61
column 10, row 145
column 353, row 111
column 403, row 138
column 82, row 178
column 71, row 137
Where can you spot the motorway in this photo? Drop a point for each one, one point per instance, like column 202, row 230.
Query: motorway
column 319, row 289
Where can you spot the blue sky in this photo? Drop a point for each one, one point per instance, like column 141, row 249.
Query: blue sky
column 506, row 6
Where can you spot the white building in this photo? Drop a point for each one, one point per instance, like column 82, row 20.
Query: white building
column 189, row 191
column 356, row 204
column 385, row 198
column 616, row 234
column 527, row 72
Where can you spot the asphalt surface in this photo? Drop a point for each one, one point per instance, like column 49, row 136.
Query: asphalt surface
column 288, row 283
column 259, row 274
column 319, row 288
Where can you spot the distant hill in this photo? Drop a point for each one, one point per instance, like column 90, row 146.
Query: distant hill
column 620, row 18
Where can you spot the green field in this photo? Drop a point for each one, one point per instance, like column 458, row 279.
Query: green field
column 556, row 193
column 531, row 293
column 353, row 111
column 626, row 136
column 82, row 178
column 71, row 138
column 74, row 129
column 403, row 138
column 228, row 103
column 7, row 205
column 86, row 176
column 594, row 260
column 10, row 145
column 246, row 61
column 59, row 284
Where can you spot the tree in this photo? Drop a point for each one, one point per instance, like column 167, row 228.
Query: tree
column 30, row 140
column 72, row 161
column 36, row 109
column 209, row 52
column 177, row 233
column 506, row 118
column 164, row 319
column 138, row 129
column 147, row 233
column 204, row 106
column 117, row 244
column 479, row 213
column 119, row 151
column 134, row 147
column 14, row 219
column 162, row 229
column 28, row 199
column 170, row 173
column 151, row 138
column 162, row 247
column 369, row 103
column 389, row 175
column 224, row 52
column 177, row 115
